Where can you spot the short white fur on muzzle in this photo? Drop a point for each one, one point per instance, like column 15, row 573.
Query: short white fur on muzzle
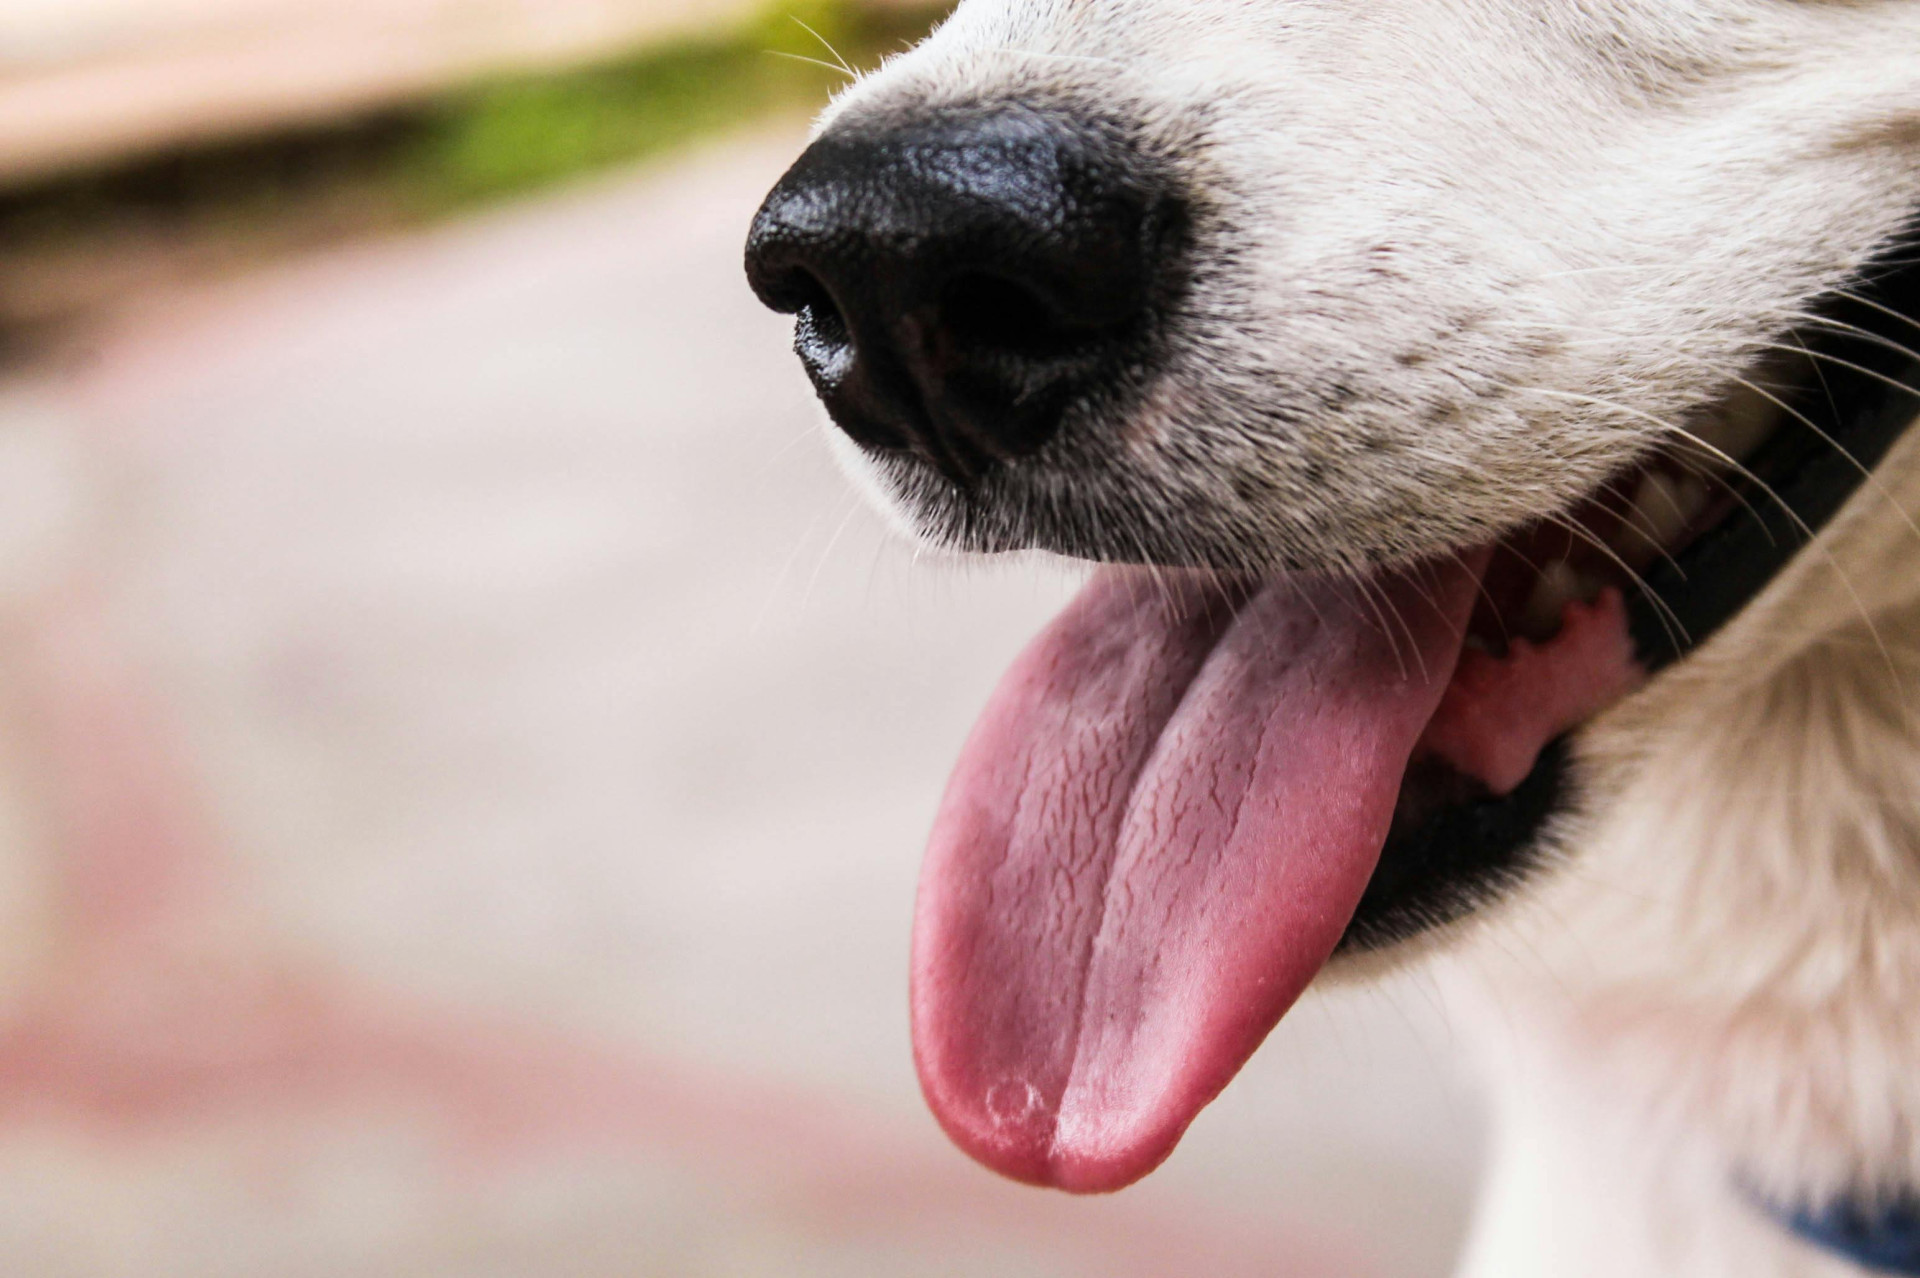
column 1454, row 263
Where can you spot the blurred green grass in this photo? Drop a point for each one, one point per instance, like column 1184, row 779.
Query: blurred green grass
column 507, row 136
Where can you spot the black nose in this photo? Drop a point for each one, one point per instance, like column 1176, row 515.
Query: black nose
column 959, row 283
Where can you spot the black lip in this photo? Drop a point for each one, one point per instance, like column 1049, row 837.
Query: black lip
column 1443, row 865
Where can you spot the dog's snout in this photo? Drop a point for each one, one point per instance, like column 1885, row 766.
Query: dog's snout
column 959, row 283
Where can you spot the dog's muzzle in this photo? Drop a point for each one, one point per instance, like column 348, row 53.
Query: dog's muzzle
column 960, row 281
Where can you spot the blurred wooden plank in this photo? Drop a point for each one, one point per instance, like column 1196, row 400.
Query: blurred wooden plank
column 113, row 78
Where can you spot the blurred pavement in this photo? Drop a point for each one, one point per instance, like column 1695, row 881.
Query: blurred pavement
column 464, row 762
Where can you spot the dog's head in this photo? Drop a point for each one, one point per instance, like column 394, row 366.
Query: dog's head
column 1434, row 374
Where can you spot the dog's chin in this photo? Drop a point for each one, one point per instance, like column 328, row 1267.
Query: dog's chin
column 1577, row 609
column 1092, row 510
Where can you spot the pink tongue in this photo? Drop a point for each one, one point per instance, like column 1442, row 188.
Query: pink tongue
column 1152, row 842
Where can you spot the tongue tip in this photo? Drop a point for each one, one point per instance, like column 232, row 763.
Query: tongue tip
column 1010, row 1129
column 1045, row 1163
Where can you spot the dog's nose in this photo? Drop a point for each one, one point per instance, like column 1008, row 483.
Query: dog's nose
column 960, row 282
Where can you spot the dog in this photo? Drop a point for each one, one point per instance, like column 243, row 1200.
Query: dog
column 1489, row 419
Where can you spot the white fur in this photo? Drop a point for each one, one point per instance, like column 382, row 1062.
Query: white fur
column 1721, row 979
column 1463, row 259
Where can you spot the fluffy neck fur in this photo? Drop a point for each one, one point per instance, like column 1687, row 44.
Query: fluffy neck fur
column 1722, row 977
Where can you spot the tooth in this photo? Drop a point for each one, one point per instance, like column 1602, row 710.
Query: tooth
column 1652, row 521
column 1663, row 506
column 1560, row 584
column 1743, row 423
column 1692, row 496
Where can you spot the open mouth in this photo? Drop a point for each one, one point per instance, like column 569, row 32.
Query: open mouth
column 1191, row 791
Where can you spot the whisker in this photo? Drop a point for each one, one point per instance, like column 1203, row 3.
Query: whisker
column 1881, row 307
column 1838, row 362
column 826, row 44
column 1368, row 587
column 826, row 553
column 1819, row 373
column 761, row 471
column 801, row 57
column 1863, row 334
column 1867, row 473
column 1424, row 579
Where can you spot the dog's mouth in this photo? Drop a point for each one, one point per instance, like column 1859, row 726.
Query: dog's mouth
column 1190, row 791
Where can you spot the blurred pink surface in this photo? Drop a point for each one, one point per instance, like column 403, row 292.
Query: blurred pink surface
column 464, row 766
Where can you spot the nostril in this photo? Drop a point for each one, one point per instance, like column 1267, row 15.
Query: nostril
column 988, row 313
column 821, row 336
column 794, row 290
column 816, row 307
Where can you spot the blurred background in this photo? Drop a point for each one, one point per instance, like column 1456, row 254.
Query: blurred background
column 464, row 753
